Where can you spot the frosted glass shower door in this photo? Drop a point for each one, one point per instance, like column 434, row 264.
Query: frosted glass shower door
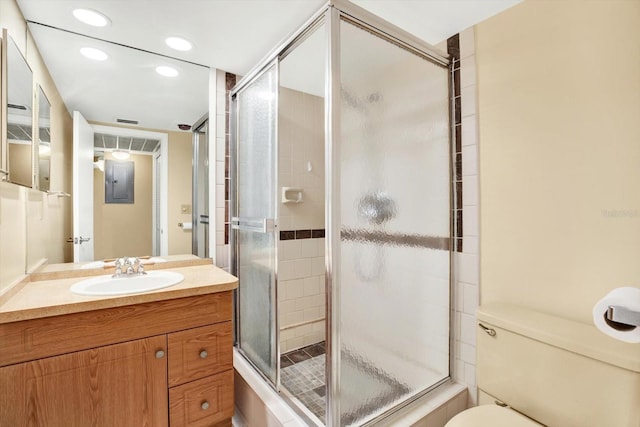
column 393, row 213
column 254, row 212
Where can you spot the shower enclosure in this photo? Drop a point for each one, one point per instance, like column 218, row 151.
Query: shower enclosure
column 378, row 181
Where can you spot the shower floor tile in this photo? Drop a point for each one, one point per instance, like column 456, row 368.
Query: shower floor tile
column 302, row 374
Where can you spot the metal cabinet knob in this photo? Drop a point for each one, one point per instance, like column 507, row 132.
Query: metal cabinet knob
column 204, row 405
column 203, row 354
column 159, row 354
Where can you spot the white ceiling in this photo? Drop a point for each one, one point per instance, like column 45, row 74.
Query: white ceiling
column 232, row 35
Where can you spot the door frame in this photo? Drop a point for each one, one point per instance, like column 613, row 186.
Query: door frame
column 164, row 177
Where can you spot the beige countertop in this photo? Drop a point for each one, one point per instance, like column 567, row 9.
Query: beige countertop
column 45, row 298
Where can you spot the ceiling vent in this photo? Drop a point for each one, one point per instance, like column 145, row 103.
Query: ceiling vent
column 127, row 121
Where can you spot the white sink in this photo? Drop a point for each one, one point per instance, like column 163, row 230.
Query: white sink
column 107, row 285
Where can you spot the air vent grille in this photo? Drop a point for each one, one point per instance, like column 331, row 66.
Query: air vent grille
column 127, row 121
column 111, row 142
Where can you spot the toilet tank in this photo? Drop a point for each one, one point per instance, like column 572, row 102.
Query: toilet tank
column 557, row 371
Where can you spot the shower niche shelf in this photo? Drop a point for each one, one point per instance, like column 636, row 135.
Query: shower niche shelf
column 292, row 195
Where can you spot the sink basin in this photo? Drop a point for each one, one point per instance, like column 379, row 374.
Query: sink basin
column 107, row 285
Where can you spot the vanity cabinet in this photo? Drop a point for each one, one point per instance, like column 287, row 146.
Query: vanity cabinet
column 164, row 363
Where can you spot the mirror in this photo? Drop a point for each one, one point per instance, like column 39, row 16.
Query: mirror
column 113, row 94
column 19, row 108
column 44, row 141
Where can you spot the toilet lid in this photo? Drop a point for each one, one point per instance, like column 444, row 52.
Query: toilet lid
column 490, row 416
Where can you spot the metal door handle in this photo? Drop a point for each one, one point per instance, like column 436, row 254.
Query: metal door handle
column 258, row 225
column 80, row 240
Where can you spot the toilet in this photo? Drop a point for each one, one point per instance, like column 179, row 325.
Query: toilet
column 537, row 369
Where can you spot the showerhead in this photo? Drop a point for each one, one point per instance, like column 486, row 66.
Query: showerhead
column 357, row 103
column 376, row 208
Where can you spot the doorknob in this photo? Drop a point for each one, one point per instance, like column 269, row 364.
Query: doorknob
column 80, row 240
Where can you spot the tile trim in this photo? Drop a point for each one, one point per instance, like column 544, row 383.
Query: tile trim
column 302, row 234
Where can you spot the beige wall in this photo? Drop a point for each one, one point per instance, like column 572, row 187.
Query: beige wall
column 20, row 157
column 559, row 102
column 180, row 181
column 25, row 213
column 124, row 229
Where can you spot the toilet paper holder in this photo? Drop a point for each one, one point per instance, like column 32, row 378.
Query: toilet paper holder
column 624, row 315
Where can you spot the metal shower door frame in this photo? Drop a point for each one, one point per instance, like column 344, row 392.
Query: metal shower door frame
column 331, row 14
column 253, row 224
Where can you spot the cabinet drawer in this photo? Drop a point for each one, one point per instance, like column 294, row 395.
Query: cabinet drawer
column 202, row 403
column 199, row 352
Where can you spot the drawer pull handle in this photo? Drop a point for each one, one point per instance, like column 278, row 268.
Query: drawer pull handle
column 159, row 354
column 204, row 405
column 203, row 354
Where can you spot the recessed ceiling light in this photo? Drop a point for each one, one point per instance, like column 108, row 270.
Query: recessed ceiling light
column 166, row 71
column 93, row 53
column 178, row 43
column 91, row 17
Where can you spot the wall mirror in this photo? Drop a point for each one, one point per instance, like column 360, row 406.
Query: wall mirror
column 19, row 115
column 43, row 154
column 123, row 101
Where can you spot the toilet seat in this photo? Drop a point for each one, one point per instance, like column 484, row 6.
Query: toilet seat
column 490, row 416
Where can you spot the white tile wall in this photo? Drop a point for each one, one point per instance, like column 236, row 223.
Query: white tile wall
column 467, row 274
column 222, row 251
column 301, row 293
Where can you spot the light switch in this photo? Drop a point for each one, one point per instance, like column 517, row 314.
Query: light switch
column 185, row 209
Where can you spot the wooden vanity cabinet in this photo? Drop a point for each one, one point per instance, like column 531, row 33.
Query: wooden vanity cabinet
column 174, row 370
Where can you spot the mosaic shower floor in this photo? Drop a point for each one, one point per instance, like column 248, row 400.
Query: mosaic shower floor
column 365, row 389
column 303, row 374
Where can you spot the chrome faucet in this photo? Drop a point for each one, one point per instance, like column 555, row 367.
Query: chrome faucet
column 132, row 267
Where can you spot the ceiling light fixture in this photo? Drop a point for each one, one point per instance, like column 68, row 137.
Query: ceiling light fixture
column 166, row 71
column 120, row 154
column 44, row 148
column 93, row 53
column 91, row 17
column 178, row 43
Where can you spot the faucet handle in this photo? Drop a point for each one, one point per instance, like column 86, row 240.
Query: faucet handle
column 119, row 262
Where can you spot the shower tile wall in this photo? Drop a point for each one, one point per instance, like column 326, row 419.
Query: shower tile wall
column 466, row 277
column 301, row 293
column 301, row 158
column 224, row 82
column 301, row 290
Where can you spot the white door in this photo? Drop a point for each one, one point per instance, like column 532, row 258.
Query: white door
column 82, row 189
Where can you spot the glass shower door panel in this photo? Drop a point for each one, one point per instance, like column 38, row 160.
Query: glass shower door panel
column 394, row 224
column 253, row 222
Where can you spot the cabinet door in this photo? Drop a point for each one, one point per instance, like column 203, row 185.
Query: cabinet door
column 117, row 385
